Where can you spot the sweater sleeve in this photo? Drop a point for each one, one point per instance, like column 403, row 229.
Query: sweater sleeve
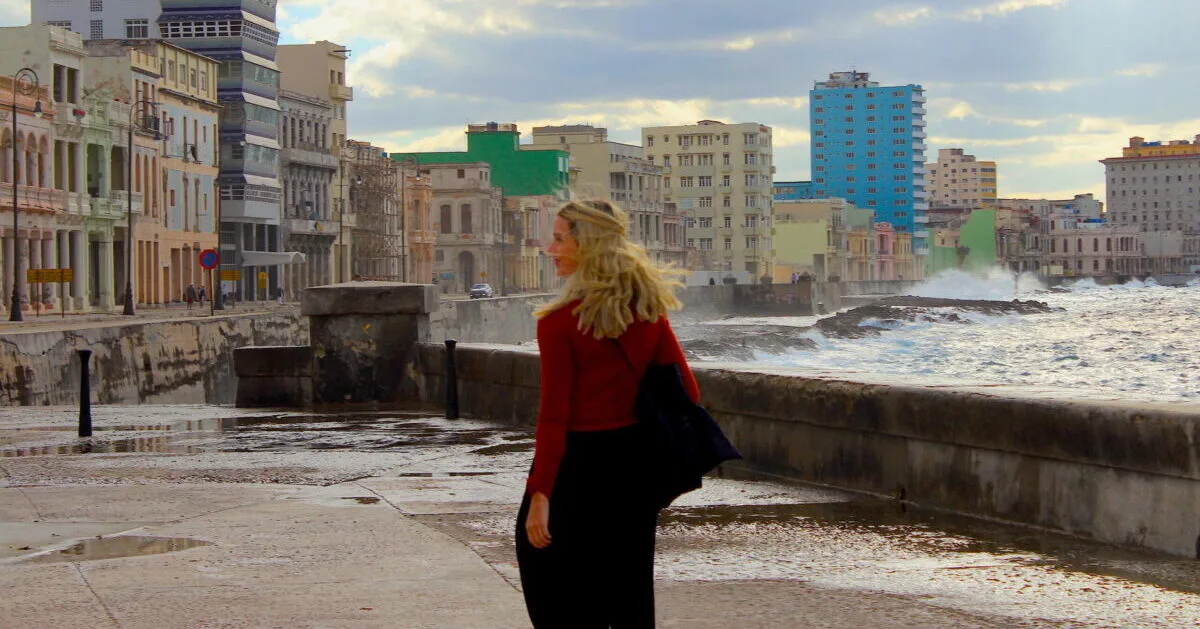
column 669, row 352
column 557, row 379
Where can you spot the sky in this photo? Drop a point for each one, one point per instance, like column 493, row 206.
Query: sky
column 1044, row 87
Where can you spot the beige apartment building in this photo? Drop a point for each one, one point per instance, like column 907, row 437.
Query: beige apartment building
column 318, row 70
column 721, row 176
column 618, row 172
column 958, row 180
column 466, row 211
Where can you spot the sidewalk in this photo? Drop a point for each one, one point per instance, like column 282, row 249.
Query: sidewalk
column 204, row 517
column 75, row 321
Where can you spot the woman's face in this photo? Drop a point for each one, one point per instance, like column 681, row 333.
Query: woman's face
column 564, row 249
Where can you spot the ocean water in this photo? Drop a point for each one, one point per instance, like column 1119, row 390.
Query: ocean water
column 1137, row 341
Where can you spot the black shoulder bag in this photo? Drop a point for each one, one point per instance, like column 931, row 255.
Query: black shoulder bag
column 685, row 441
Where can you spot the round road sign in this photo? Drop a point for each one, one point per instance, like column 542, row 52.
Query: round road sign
column 209, row 258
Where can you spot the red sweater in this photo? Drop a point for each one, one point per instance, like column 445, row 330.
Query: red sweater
column 587, row 385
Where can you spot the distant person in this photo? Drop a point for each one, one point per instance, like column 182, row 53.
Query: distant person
column 712, row 281
column 586, row 526
column 201, row 295
column 279, row 295
column 189, row 295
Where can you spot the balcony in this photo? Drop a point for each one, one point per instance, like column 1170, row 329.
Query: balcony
column 319, row 227
column 34, row 198
column 919, row 134
column 921, row 219
column 667, row 170
column 309, row 154
column 918, row 146
column 920, row 171
column 920, row 99
column 341, row 92
column 921, row 233
column 919, row 111
column 726, row 168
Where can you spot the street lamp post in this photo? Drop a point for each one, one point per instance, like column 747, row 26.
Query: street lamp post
column 24, row 83
column 143, row 106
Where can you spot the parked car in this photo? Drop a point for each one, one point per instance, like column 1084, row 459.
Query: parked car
column 481, row 291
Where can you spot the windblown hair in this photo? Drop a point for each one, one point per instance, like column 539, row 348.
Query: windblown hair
column 615, row 282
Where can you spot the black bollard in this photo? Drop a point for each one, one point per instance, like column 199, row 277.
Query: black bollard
column 85, row 394
column 451, row 381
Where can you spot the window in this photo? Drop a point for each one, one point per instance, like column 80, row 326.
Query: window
column 462, row 173
column 446, row 216
column 193, row 77
column 649, row 140
column 97, row 29
column 706, row 181
column 706, row 244
column 726, row 202
column 728, row 222
column 686, row 182
column 60, row 23
column 706, row 201
column 97, row 6
column 137, row 29
column 751, row 180
column 728, row 244
column 725, row 181
column 465, row 218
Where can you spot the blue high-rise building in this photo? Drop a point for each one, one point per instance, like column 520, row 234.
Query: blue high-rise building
column 868, row 147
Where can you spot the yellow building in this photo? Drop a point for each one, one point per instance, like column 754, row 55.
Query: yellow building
column 958, row 180
column 173, row 93
column 807, row 236
column 720, row 175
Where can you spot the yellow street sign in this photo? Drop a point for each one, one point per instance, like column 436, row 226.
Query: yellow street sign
column 49, row 276
column 231, row 275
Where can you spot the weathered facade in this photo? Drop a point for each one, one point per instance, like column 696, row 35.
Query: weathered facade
column 307, row 170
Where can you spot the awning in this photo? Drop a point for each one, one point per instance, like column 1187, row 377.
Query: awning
column 271, row 258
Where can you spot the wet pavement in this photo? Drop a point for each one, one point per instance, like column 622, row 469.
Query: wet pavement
column 192, row 490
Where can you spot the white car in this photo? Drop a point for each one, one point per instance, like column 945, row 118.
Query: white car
column 481, row 291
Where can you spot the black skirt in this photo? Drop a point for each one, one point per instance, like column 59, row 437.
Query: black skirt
column 598, row 571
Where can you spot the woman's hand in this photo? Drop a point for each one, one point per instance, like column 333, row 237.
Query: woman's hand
column 537, row 522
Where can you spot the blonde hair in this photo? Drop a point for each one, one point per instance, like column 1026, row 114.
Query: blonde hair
column 615, row 280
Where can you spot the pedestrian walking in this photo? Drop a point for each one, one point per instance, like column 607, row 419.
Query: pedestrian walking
column 586, row 526
column 279, row 295
column 189, row 295
column 202, row 294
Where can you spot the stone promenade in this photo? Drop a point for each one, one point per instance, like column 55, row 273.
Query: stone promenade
column 192, row 517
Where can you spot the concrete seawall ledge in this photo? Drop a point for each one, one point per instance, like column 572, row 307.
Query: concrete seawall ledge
column 1116, row 472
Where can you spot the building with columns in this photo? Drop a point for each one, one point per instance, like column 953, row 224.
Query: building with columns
column 318, row 70
column 64, row 222
column 307, row 170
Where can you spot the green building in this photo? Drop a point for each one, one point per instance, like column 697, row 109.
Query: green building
column 517, row 172
column 975, row 250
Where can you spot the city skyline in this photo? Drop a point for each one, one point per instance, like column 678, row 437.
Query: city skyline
column 1035, row 85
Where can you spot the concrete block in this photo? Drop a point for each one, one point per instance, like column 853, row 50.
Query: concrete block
column 274, row 392
column 287, row 360
column 369, row 298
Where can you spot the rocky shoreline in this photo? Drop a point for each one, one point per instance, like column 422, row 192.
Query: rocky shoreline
column 741, row 342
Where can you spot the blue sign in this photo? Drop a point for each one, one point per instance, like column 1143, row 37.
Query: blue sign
column 209, row 259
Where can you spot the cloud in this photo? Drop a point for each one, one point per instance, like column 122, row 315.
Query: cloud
column 1060, row 85
column 14, row 12
column 1005, row 8
column 902, row 17
column 1144, row 69
column 954, row 109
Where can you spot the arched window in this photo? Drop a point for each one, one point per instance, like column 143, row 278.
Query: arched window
column 465, row 218
column 447, row 215
column 1079, row 245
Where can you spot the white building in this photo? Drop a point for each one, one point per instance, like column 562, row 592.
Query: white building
column 101, row 19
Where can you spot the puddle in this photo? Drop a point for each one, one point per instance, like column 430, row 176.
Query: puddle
column 505, row 448
column 370, row 432
column 151, row 445
column 118, row 547
column 936, row 534
column 363, row 500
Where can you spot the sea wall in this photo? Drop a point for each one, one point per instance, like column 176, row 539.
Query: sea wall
column 877, row 287
column 175, row 361
column 1121, row 474
column 497, row 320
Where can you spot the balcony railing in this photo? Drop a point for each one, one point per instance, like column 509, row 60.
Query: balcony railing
column 341, row 92
column 29, row 197
column 315, row 227
column 310, row 154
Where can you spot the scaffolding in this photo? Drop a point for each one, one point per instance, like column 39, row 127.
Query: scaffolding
column 375, row 197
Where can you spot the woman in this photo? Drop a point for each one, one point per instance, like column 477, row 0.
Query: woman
column 585, row 530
